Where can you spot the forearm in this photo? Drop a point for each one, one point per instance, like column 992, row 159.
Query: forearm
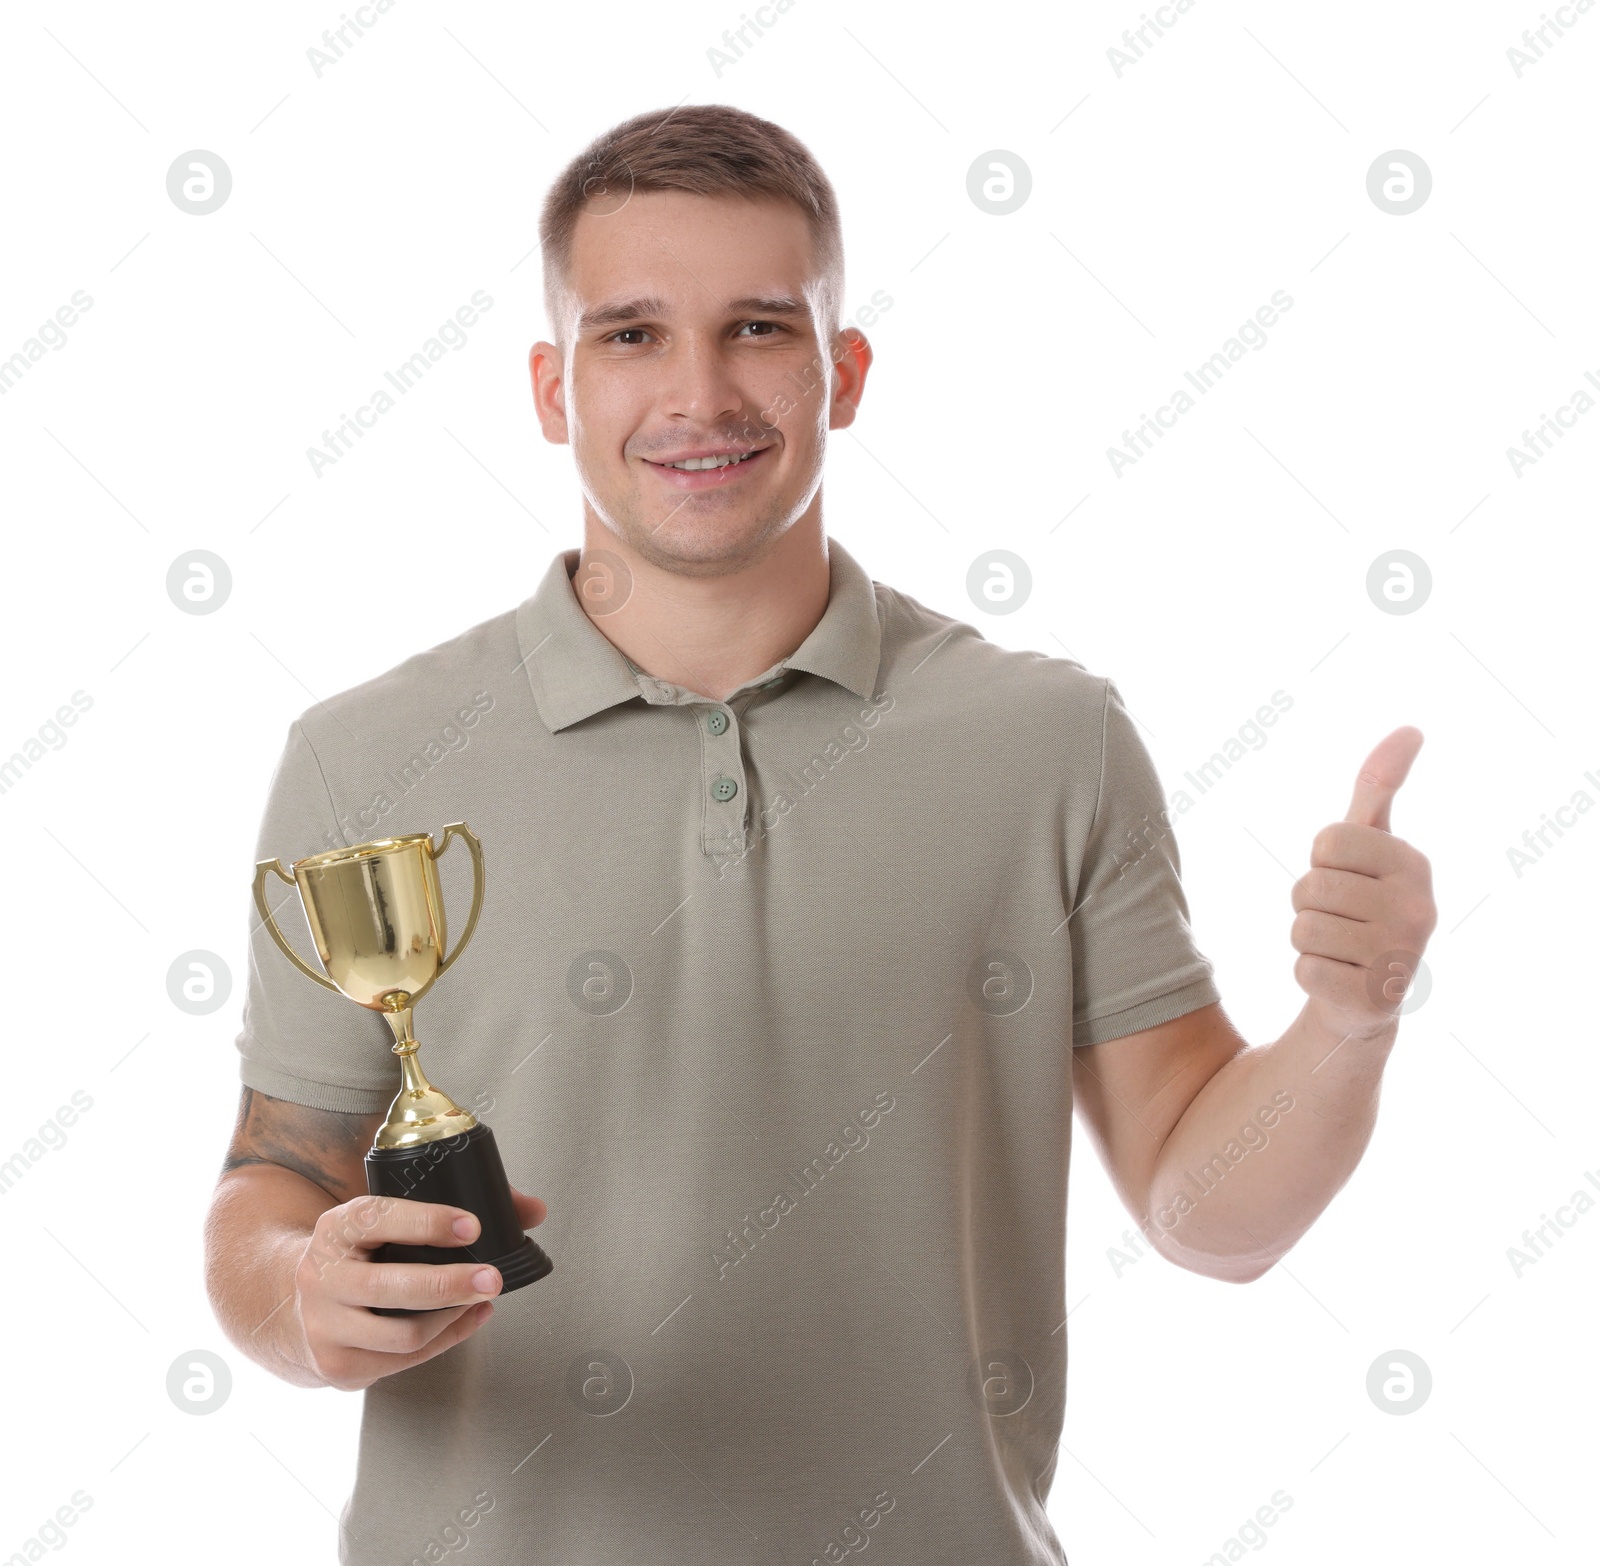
column 260, row 1222
column 1264, row 1147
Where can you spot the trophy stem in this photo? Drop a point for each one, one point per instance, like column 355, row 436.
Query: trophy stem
column 420, row 1112
column 412, row 1076
column 399, row 1020
column 405, row 1045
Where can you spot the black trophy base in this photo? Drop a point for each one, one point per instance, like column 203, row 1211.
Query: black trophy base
column 459, row 1171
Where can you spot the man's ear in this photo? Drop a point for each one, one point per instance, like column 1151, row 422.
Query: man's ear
column 852, row 358
column 545, row 367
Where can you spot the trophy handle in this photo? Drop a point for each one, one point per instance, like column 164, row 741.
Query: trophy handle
column 475, row 848
column 264, row 868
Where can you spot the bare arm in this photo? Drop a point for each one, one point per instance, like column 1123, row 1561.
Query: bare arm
column 1226, row 1155
column 289, row 1241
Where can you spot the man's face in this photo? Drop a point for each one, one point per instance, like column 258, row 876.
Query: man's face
column 693, row 332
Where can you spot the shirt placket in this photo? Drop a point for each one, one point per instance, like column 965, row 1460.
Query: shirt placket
column 724, row 781
column 724, row 793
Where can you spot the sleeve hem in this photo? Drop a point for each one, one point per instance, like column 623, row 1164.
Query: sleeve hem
column 314, row 1095
column 1148, row 1014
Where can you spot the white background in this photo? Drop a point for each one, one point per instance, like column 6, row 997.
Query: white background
column 1167, row 204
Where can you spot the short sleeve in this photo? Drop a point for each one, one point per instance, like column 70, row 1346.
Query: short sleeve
column 299, row 1041
column 1135, row 964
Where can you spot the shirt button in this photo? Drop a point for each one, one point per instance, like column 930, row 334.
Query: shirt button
column 724, row 788
column 717, row 721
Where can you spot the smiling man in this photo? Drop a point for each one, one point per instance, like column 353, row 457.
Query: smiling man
column 812, row 917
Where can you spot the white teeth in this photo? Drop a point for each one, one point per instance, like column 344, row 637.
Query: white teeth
column 696, row 464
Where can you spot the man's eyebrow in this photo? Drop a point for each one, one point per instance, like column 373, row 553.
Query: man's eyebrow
column 769, row 304
column 622, row 310
column 625, row 310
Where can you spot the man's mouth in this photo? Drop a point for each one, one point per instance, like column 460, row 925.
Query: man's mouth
column 699, row 464
column 698, row 469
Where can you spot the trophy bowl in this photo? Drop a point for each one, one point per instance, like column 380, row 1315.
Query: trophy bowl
column 377, row 918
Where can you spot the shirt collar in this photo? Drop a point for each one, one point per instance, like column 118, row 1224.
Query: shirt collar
column 575, row 671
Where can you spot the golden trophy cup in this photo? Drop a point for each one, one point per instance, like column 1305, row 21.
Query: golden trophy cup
column 376, row 914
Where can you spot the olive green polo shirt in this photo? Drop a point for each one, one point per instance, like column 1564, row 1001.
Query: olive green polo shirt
column 773, row 1001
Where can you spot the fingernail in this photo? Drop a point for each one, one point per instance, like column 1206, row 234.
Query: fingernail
column 465, row 1227
column 485, row 1280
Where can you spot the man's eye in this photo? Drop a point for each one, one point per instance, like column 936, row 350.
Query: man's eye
column 627, row 331
column 770, row 326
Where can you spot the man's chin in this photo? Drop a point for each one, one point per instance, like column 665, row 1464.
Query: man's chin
column 700, row 545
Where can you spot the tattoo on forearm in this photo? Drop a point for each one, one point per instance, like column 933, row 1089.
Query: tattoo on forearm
column 321, row 1145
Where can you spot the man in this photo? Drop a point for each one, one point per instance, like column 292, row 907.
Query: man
column 811, row 918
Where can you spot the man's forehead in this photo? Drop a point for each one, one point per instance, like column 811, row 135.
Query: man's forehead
column 666, row 243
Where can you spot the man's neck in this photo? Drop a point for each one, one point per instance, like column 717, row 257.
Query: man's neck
column 712, row 634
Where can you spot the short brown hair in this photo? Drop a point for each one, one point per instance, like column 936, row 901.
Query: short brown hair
column 709, row 149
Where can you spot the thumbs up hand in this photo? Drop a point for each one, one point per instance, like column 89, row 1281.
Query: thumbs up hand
column 1365, row 911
